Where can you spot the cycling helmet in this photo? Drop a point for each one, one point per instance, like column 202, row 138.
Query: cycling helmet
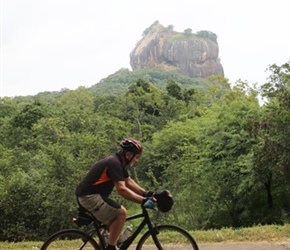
column 131, row 145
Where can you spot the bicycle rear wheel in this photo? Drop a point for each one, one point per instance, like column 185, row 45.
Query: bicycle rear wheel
column 70, row 239
column 170, row 237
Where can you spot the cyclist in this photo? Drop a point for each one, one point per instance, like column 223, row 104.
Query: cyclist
column 94, row 190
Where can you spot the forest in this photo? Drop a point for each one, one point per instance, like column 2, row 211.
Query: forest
column 221, row 149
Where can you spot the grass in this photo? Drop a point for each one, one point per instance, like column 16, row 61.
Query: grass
column 272, row 233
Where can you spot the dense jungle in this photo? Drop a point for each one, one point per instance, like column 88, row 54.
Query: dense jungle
column 222, row 149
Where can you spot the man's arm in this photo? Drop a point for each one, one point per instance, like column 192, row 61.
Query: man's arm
column 128, row 193
column 131, row 184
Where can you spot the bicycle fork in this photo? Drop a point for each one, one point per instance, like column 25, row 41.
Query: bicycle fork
column 154, row 232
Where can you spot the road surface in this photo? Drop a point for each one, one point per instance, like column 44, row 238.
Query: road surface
column 236, row 246
column 246, row 246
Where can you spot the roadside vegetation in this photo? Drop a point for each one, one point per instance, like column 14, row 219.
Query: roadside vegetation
column 221, row 149
column 270, row 233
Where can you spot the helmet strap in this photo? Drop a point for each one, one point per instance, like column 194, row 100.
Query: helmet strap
column 132, row 157
column 128, row 161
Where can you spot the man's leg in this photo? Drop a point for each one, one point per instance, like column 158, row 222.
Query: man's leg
column 116, row 226
column 107, row 211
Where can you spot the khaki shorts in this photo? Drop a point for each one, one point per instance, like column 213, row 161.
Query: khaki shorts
column 104, row 209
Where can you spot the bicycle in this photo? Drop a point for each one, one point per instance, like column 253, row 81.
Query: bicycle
column 163, row 237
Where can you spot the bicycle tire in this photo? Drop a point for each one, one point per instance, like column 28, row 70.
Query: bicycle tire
column 70, row 239
column 170, row 237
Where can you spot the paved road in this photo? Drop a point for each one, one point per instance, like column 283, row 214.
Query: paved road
column 238, row 246
column 246, row 246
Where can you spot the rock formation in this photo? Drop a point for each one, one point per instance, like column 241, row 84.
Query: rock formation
column 194, row 55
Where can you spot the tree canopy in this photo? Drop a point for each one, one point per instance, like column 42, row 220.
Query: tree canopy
column 223, row 155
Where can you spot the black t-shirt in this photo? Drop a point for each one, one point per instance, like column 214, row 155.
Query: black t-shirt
column 100, row 179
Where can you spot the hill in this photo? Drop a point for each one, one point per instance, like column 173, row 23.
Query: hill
column 119, row 82
column 194, row 55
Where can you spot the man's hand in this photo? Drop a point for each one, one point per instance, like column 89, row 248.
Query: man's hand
column 148, row 203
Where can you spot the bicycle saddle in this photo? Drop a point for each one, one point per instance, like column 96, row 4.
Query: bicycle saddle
column 83, row 217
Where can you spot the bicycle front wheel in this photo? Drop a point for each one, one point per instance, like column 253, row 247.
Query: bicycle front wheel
column 70, row 239
column 170, row 237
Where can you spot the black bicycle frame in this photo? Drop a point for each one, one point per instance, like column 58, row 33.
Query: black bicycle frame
column 145, row 221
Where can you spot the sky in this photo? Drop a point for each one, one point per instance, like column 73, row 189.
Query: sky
column 50, row 45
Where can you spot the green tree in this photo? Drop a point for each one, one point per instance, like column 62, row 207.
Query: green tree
column 214, row 150
column 188, row 32
column 75, row 107
column 272, row 154
column 143, row 105
column 29, row 115
column 8, row 108
column 21, row 200
column 174, row 90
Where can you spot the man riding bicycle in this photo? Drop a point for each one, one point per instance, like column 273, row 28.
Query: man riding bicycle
column 94, row 190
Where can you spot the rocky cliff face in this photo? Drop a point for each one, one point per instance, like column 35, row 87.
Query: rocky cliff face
column 189, row 54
